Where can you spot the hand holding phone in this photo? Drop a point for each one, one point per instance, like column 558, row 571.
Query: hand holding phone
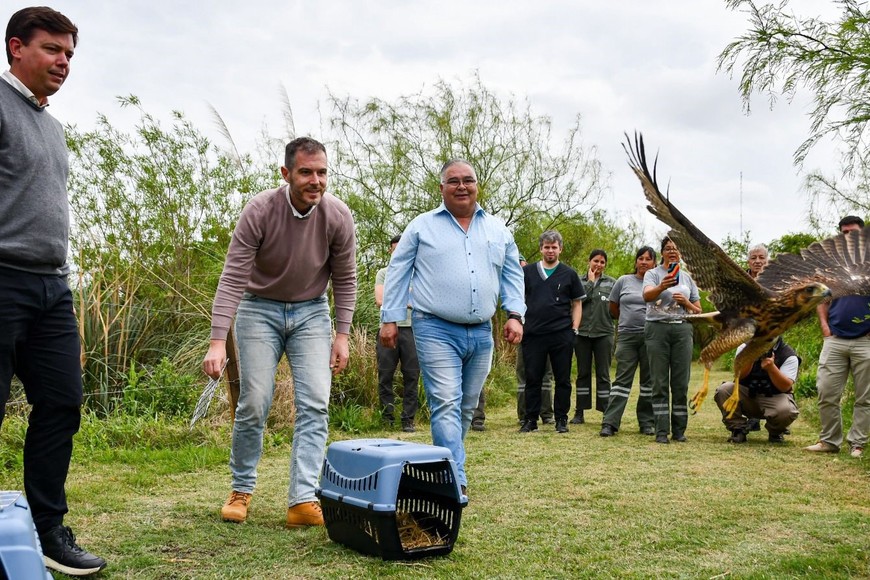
column 674, row 270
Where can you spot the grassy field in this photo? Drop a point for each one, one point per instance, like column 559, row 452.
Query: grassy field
column 542, row 505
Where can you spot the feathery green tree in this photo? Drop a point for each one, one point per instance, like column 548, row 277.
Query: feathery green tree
column 782, row 53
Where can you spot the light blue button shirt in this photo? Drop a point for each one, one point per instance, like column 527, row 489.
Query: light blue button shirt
column 457, row 275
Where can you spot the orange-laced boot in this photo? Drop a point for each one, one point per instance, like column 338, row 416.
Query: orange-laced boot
column 236, row 508
column 304, row 514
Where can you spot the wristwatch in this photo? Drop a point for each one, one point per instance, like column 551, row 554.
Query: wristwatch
column 515, row 316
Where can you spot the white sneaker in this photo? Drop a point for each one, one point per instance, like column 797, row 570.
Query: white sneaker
column 822, row 447
column 856, row 452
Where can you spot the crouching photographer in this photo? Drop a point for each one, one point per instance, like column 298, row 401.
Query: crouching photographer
column 765, row 393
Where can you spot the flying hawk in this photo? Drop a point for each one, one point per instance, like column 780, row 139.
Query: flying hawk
column 751, row 312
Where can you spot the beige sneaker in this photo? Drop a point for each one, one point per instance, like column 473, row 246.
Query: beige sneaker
column 856, row 452
column 304, row 514
column 822, row 447
column 236, row 508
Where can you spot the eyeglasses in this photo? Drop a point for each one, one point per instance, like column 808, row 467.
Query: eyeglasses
column 670, row 249
column 455, row 182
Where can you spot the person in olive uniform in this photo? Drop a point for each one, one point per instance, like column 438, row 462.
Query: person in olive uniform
column 594, row 340
column 670, row 294
column 628, row 307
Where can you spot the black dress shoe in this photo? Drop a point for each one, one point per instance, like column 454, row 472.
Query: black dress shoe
column 775, row 438
column 662, row 438
column 737, row 436
column 61, row 553
column 679, row 437
column 607, row 430
column 529, row 426
column 647, row 431
column 561, row 425
column 578, row 419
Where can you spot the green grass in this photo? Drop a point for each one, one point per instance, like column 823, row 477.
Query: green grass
column 542, row 505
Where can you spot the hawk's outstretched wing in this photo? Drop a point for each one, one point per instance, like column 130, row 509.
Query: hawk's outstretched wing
column 842, row 263
column 713, row 270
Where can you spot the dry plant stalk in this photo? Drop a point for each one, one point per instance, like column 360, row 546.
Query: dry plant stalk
column 413, row 535
column 370, row 530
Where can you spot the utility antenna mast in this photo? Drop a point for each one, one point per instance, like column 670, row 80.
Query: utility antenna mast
column 741, row 205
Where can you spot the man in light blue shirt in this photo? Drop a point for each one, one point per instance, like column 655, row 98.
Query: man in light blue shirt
column 462, row 261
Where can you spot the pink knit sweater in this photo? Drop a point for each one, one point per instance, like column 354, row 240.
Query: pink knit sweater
column 278, row 256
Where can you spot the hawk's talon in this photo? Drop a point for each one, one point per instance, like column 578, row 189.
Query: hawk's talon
column 699, row 397
column 731, row 403
column 698, row 400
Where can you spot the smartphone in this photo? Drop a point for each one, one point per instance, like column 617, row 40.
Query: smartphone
column 674, row 269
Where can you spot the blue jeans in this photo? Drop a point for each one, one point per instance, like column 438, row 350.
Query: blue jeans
column 266, row 330
column 455, row 360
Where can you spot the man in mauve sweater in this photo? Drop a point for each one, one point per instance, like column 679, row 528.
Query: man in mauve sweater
column 39, row 342
column 287, row 246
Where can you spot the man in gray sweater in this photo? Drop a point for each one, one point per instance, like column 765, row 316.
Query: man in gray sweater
column 39, row 342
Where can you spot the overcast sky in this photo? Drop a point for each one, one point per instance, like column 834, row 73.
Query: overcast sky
column 645, row 65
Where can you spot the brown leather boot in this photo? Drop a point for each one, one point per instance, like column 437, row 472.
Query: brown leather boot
column 304, row 514
column 236, row 508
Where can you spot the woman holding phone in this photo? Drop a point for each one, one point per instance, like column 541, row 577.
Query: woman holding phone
column 670, row 294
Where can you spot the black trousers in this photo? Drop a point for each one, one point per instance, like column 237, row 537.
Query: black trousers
column 388, row 361
column 39, row 343
column 558, row 347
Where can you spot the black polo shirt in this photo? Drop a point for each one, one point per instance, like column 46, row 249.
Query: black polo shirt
column 548, row 300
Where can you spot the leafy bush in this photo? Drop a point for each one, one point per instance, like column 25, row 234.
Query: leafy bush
column 805, row 386
column 358, row 383
column 501, row 384
column 122, row 430
column 12, row 441
column 162, row 391
column 353, row 418
column 153, row 212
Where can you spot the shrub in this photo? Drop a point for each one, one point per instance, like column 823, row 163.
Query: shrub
column 162, row 391
column 501, row 384
column 358, row 383
column 805, row 386
column 12, row 441
column 353, row 418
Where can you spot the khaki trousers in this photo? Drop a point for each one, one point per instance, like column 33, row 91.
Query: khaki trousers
column 840, row 356
column 779, row 411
